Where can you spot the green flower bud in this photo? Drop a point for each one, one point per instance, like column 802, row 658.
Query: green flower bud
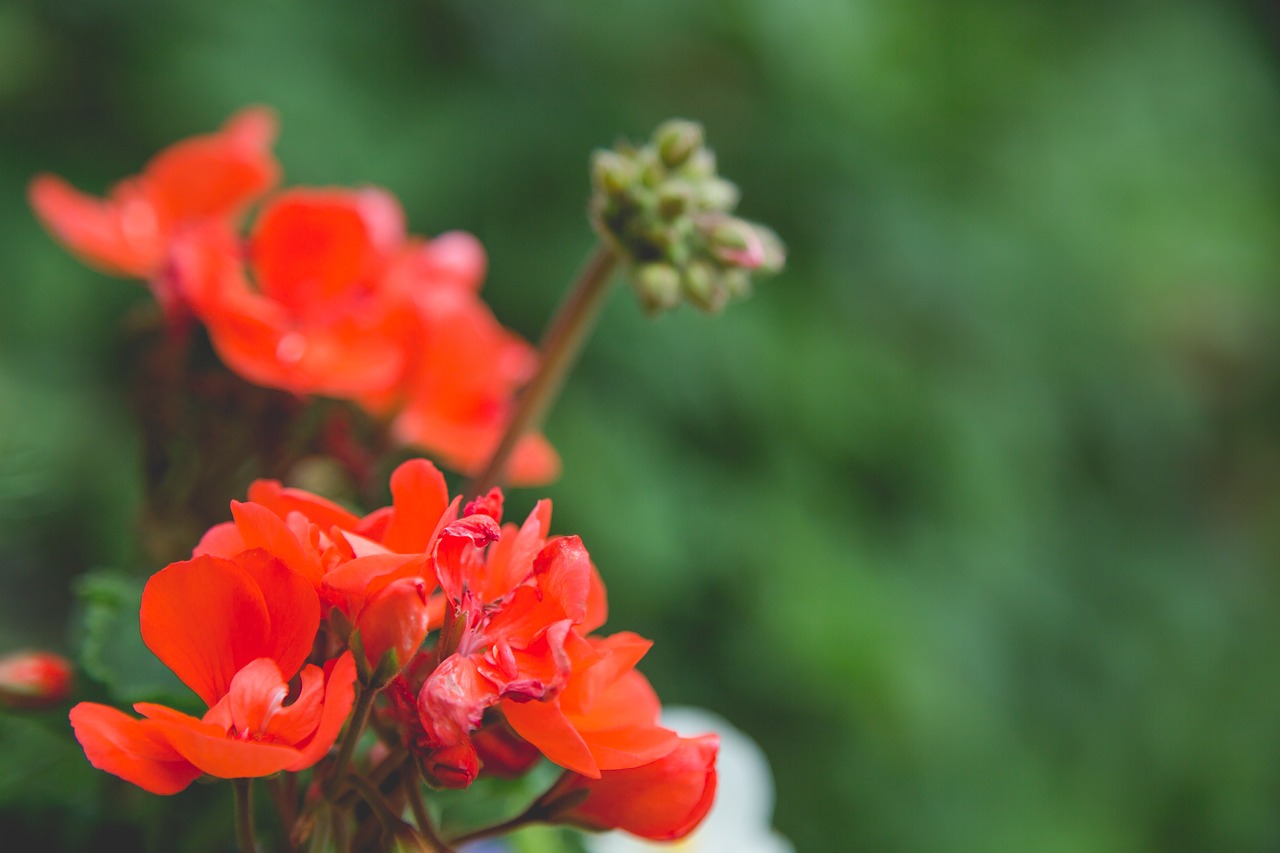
column 700, row 165
column 674, row 198
column 657, row 285
column 677, row 140
column 702, row 287
column 717, row 194
column 613, row 173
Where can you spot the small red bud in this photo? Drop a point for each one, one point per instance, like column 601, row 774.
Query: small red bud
column 452, row 767
column 34, row 679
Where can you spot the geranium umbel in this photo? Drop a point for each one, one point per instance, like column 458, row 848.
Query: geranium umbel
column 472, row 639
column 326, row 295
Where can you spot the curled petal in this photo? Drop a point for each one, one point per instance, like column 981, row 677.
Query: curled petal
column 339, row 696
column 452, row 701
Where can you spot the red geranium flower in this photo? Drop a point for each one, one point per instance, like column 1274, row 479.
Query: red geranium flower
column 514, row 607
column 235, row 632
column 605, row 718
column 315, row 319
column 378, row 569
column 212, row 177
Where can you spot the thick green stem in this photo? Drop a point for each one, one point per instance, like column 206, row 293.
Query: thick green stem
column 244, row 814
column 337, row 773
column 558, row 351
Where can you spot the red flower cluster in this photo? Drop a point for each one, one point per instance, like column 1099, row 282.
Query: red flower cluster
column 326, row 295
column 480, row 632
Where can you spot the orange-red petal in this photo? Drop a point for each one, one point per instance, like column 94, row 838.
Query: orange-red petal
column 134, row 750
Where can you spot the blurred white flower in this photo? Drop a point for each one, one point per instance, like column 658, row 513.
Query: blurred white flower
column 740, row 820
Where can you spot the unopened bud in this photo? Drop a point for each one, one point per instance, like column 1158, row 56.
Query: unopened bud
column 701, row 287
column 673, row 199
column 657, row 285
column 452, row 767
column 775, row 253
column 718, row 194
column 677, row 140
column 34, row 680
column 700, row 166
column 735, row 242
column 613, row 173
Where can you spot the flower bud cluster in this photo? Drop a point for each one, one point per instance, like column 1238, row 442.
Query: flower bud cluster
column 664, row 207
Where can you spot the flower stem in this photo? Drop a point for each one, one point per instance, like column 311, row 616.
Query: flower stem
column 558, row 351
column 391, row 823
column 533, row 814
column 244, row 814
column 337, row 773
column 411, row 781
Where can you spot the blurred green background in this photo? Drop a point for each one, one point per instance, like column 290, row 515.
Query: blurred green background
column 969, row 517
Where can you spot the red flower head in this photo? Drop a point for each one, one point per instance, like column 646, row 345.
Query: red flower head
column 236, row 632
column 663, row 800
column 316, row 318
column 211, row 177
column 34, row 679
column 341, row 302
column 514, row 606
column 377, row 569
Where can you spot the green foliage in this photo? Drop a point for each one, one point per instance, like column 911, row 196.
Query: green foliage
column 111, row 650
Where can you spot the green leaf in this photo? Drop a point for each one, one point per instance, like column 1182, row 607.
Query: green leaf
column 110, row 645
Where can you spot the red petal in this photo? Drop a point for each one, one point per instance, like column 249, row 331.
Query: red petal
column 262, row 528
column 256, row 694
column 420, row 497
column 632, row 746
column 339, row 696
column 296, row 722
column 97, row 231
column 663, row 800
column 547, row 728
column 293, row 609
column 134, row 750
column 204, row 618
column 216, row 175
column 213, row 751
column 396, row 619
column 309, row 247
column 317, row 510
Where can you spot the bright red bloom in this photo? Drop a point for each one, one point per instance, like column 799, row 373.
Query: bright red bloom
column 373, row 568
column 515, row 608
column 212, row 177
column 663, row 800
column 236, row 632
column 338, row 300
column 605, row 718
column 34, row 679
column 315, row 318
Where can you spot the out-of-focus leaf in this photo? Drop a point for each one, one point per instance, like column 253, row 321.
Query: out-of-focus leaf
column 111, row 647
